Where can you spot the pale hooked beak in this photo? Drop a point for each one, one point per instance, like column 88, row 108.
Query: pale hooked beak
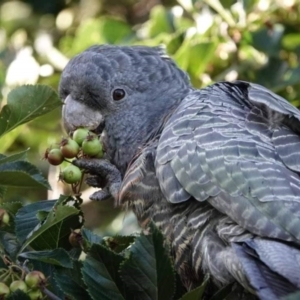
column 76, row 114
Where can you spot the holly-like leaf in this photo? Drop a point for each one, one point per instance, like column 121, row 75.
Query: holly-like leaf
column 28, row 175
column 71, row 283
column 26, row 103
column 54, row 231
column 58, row 257
column 149, row 272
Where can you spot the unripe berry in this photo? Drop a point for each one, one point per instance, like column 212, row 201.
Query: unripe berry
column 18, row 285
column 69, row 148
column 71, row 174
column 91, row 146
column 35, row 279
column 35, row 294
column 55, row 157
column 4, row 217
column 75, row 238
column 4, row 290
column 80, row 134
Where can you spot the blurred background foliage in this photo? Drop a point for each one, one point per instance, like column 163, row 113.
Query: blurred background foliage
column 254, row 40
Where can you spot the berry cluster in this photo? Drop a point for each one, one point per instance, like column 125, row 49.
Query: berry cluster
column 32, row 284
column 81, row 143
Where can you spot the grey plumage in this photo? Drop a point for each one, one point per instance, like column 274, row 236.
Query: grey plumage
column 217, row 169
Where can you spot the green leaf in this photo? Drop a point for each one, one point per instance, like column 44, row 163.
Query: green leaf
column 90, row 237
column 55, row 230
column 10, row 244
column 26, row 218
column 149, row 271
column 3, row 190
column 103, row 30
column 187, row 56
column 71, row 283
column 160, row 21
column 118, row 243
column 26, row 103
column 17, row 295
column 268, row 40
column 58, row 257
column 197, row 293
column 99, row 281
column 12, row 207
column 28, row 175
column 15, row 157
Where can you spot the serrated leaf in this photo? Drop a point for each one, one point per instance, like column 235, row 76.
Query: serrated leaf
column 17, row 295
column 149, row 272
column 90, row 237
column 58, row 257
column 197, row 293
column 55, row 230
column 9, row 243
column 26, row 103
column 71, row 283
column 14, row 157
column 100, row 284
column 111, row 261
column 118, row 243
column 28, row 175
column 12, row 207
column 26, row 218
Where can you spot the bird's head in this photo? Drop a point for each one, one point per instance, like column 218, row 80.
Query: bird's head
column 124, row 91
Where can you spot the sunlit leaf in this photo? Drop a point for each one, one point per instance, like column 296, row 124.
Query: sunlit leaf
column 26, row 103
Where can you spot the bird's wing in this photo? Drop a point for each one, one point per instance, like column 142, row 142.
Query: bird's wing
column 236, row 145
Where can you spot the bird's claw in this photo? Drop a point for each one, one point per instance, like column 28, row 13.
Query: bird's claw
column 104, row 175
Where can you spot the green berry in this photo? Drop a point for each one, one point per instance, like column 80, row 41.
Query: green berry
column 71, row 174
column 18, row 285
column 80, row 134
column 35, row 279
column 35, row 294
column 4, row 217
column 4, row 290
column 91, row 146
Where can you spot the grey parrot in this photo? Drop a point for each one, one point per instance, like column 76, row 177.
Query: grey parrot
column 216, row 169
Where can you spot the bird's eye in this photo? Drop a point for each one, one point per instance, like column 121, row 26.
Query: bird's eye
column 118, row 94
